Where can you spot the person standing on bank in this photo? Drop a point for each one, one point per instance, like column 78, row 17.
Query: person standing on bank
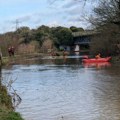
column 11, row 51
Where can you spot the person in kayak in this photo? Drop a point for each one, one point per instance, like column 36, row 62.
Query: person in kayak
column 98, row 56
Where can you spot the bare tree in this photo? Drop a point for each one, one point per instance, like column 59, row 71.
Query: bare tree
column 106, row 19
column 106, row 12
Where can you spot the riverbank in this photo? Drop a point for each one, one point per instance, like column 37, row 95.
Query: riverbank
column 6, row 108
column 10, row 60
column 115, row 59
column 19, row 58
column 14, row 59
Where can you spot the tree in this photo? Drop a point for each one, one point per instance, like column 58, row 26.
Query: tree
column 75, row 29
column 39, row 36
column 106, row 18
column 107, row 12
column 46, row 29
column 62, row 36
column 106, row 42
column 24, row 33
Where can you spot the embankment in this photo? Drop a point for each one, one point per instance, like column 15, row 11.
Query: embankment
column 6, row 108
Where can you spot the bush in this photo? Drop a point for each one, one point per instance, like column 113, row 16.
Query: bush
column 11, row 116
column 6, row 115
column 6, row 108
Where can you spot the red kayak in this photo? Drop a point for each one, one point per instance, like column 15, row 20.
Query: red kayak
column 97, row 64
column 93, row 60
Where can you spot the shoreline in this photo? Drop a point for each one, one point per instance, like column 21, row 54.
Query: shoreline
column 6, row 61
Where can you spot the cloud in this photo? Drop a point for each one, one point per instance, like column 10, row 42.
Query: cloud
column 53, row 24
column 74, row 18
column 20, row 19
column 17, row 2
column 25, row 18
column 38, row 12
column 75, row 11
column 70, row 3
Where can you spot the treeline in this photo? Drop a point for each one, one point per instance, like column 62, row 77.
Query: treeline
column 35, row 40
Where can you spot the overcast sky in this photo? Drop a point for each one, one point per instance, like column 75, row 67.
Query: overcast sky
column 34, row 13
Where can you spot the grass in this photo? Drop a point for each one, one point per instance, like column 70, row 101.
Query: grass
column 7, row 60
column 5, row 99
column 6, row 108
column 9, row 115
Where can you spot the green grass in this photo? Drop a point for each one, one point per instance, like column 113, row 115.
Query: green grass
column 5, row 60
column 9, row 115
column 6, row 108
column 5, row 98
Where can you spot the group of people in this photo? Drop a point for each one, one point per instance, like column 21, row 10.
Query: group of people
column 11, row 51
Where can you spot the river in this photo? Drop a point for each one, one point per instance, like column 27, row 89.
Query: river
column 58, row 89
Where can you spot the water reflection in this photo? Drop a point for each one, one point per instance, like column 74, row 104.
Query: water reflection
column 50, row 60
column 58, row 90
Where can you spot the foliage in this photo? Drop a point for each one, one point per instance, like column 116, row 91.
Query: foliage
column 6, row 40
column 75, row 29
column 9, row 115
column 6, row 107
column 106, row 42
column 106, row 19
column 41, row 33
column 106, row 12
column 24, row 34
column 62, row 36
column 4, row 97
column 46, row 29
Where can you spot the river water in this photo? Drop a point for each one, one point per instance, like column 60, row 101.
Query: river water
column 66, row 89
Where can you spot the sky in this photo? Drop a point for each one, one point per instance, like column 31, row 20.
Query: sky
column 34, row 13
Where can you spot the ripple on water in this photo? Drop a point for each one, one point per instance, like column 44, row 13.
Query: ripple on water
column 67, row 92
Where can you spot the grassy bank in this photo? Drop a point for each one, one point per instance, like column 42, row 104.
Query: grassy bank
column 17, row 58
column 9, row 115
column 14, row 59
column 6, row 108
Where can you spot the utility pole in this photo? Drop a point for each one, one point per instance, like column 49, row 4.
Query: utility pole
column 17, row 24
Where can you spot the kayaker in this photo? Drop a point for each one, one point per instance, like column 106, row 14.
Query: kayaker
column 98, row 56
